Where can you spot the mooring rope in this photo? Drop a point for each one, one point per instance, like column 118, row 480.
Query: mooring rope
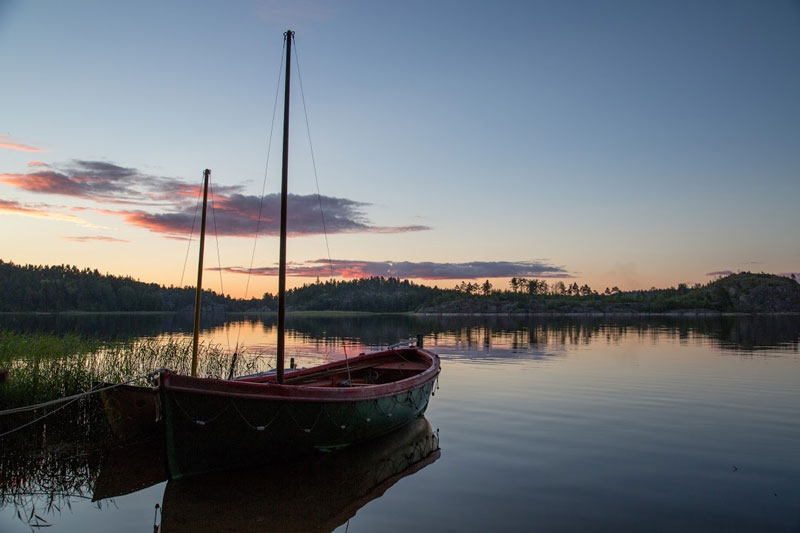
column 79, row 395
column 67, row 400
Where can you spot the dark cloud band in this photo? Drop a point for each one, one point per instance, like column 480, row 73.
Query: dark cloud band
column 406, row 269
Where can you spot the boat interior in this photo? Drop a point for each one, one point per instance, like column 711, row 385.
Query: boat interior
column 389, row 367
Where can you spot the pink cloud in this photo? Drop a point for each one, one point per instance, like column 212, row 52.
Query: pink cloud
column 17, row 146
column 37, row 164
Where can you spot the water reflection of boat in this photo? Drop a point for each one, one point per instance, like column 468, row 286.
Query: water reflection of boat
column 130, row 468
column 313, row 495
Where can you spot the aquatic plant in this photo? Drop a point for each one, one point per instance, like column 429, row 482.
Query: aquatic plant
column 43, row 367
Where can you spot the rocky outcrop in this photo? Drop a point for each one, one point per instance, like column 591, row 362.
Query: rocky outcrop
column 759, row 293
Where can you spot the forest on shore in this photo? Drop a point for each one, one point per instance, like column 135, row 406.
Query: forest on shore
column 63, row 288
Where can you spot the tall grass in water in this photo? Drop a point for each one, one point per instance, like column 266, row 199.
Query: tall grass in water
column 121, row 362
column 48, row 463
column 44, row 367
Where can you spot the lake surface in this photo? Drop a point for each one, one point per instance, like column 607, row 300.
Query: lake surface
column 568, row 424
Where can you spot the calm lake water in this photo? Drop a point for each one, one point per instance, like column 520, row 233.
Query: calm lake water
column 543, row 424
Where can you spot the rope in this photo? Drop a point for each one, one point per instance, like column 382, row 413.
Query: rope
column 313, row 160
column 79, row 395
column 219, row 259
column 347, row 364
column 305, row 428
column 263, row 187
column 68, row 399
column 196, row 420
column 191, row 234
column 9, row 432
column 261, row 427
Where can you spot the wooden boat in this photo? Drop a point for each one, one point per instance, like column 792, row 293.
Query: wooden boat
column 132, row 411
column 316, row 495
column 215, row 424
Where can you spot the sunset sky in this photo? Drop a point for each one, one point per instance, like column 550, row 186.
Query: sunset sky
column 634, row 143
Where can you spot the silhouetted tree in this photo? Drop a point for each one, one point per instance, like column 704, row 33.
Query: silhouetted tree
column 486, row 288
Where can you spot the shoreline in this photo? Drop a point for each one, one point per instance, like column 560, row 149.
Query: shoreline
column 333, row 314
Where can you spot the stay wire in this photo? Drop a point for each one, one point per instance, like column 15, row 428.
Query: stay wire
column 219, row 259
column 191, row 233
column 189, row 244
column 313, row 159
column 264, row 184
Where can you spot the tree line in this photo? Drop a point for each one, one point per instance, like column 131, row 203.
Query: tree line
column 67, row 288
column 25, row 288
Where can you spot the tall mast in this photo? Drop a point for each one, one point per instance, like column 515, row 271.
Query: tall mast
column 199, row 290
column 289, row 35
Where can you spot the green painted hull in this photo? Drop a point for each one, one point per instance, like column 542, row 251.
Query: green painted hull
column 212, row 430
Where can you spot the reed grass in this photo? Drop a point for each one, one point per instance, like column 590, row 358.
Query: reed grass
column 47, row 464
column 43, row 367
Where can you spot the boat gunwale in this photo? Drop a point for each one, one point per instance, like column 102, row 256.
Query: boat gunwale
column 267, row 389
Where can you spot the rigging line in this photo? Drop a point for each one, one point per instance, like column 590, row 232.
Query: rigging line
column 347, row 364
column 219, row 259
column 263, row 184
column 189, row 244
column 313, row 160
column 191, row 234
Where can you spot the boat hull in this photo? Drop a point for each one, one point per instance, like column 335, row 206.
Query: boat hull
column 132, row 412
column 218, row 425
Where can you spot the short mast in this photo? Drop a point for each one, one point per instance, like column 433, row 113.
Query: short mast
column 289, row 35
column 199, row 289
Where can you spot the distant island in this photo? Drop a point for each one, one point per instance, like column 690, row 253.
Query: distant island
column 64, row 288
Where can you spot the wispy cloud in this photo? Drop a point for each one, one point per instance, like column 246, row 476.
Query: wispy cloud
column 168, row 205
column 37, row 164
column 5, row 143
column 93, row 238
column 406, row 269
column 39, row 211
column 720, row 273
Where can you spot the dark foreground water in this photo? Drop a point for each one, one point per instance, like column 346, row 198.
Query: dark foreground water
column 543, row 425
